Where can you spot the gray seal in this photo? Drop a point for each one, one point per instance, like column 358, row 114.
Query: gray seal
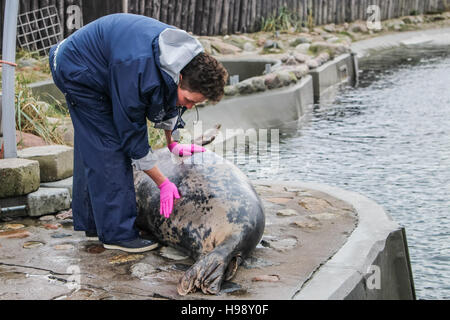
column 218, row 221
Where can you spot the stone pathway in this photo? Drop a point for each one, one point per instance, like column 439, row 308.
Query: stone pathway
column 43, row 258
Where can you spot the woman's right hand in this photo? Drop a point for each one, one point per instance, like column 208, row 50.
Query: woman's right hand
column 168, row 191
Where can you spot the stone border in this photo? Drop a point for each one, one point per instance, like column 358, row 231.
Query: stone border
column 290, row 69
column 376, row 241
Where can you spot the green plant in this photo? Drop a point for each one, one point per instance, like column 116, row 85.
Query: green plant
column 310, row 23
column 32, row 114
column 284, row 21
column 156, row 137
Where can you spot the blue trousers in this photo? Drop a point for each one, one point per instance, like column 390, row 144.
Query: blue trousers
column 103, row 195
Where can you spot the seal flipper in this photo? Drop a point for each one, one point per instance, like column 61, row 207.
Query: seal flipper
column 207, row 273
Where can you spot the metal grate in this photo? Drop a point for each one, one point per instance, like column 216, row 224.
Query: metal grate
column 39, row 29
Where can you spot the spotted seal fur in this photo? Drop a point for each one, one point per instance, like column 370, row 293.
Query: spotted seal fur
column 218, row 221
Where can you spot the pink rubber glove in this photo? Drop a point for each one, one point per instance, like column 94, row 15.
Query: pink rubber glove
column 168, row 191
column 184, row 149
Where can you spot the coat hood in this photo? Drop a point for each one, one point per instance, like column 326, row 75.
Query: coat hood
column 177, row 48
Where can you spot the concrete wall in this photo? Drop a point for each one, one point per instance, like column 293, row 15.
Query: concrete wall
column 247, row 68
column 343, row 69
column 374, row 262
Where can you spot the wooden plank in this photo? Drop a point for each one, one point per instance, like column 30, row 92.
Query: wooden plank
column 211, row 16
column 225, row 17
column 319, row 12
column 191, row 16
column 307, row 10
column 243, row 16
column 164, row 7
column 179, row 9
column 205, row 17
column 253, row 19
column 170, row 12
column 174, row 12
column 257, row 23
column 198, row 17
column 148, row 11
column 341, row 5
column 237, row 5
column 231, row 17
column 184, row 15
column 132, row 6
column 325, row 5
column 156, row 10
column 218, row 17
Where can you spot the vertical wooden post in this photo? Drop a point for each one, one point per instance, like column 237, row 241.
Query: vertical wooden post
column 225, row 17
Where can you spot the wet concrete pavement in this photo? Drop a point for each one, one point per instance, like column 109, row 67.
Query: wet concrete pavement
column 46, row 259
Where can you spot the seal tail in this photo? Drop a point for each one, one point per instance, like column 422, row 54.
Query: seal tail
column 208, row 273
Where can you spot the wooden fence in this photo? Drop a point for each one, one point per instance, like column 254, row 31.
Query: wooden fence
column 214, row 17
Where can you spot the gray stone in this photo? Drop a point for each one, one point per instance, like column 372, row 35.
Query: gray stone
column 270, row 44
column 299, row 40
column 323, row 57
column 272, row 81
column 55, row 161
column 302, row 58
column 330, row 28
column 291, row 61
column 245, row 87
column 301, row 71
column 286, row 78
column 333, row 40
column 231, row 90
column 358, row 27
column 312, row 64
column 64, row 183
column 248, row 47
column 206, row 45
column 224, row 48
column 302, row 48
column 18, row 177
column 258, row 84
column 47, row 200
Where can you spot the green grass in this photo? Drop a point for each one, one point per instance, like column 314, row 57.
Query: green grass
column 32, row 115
column 283, row 22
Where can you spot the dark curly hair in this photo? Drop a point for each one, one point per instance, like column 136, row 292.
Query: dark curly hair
column 206, row 75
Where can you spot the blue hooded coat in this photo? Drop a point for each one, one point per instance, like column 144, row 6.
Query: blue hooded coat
column 116, row 73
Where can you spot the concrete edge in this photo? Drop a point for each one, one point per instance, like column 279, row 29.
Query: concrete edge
column 349, row 269
column 437, row 36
